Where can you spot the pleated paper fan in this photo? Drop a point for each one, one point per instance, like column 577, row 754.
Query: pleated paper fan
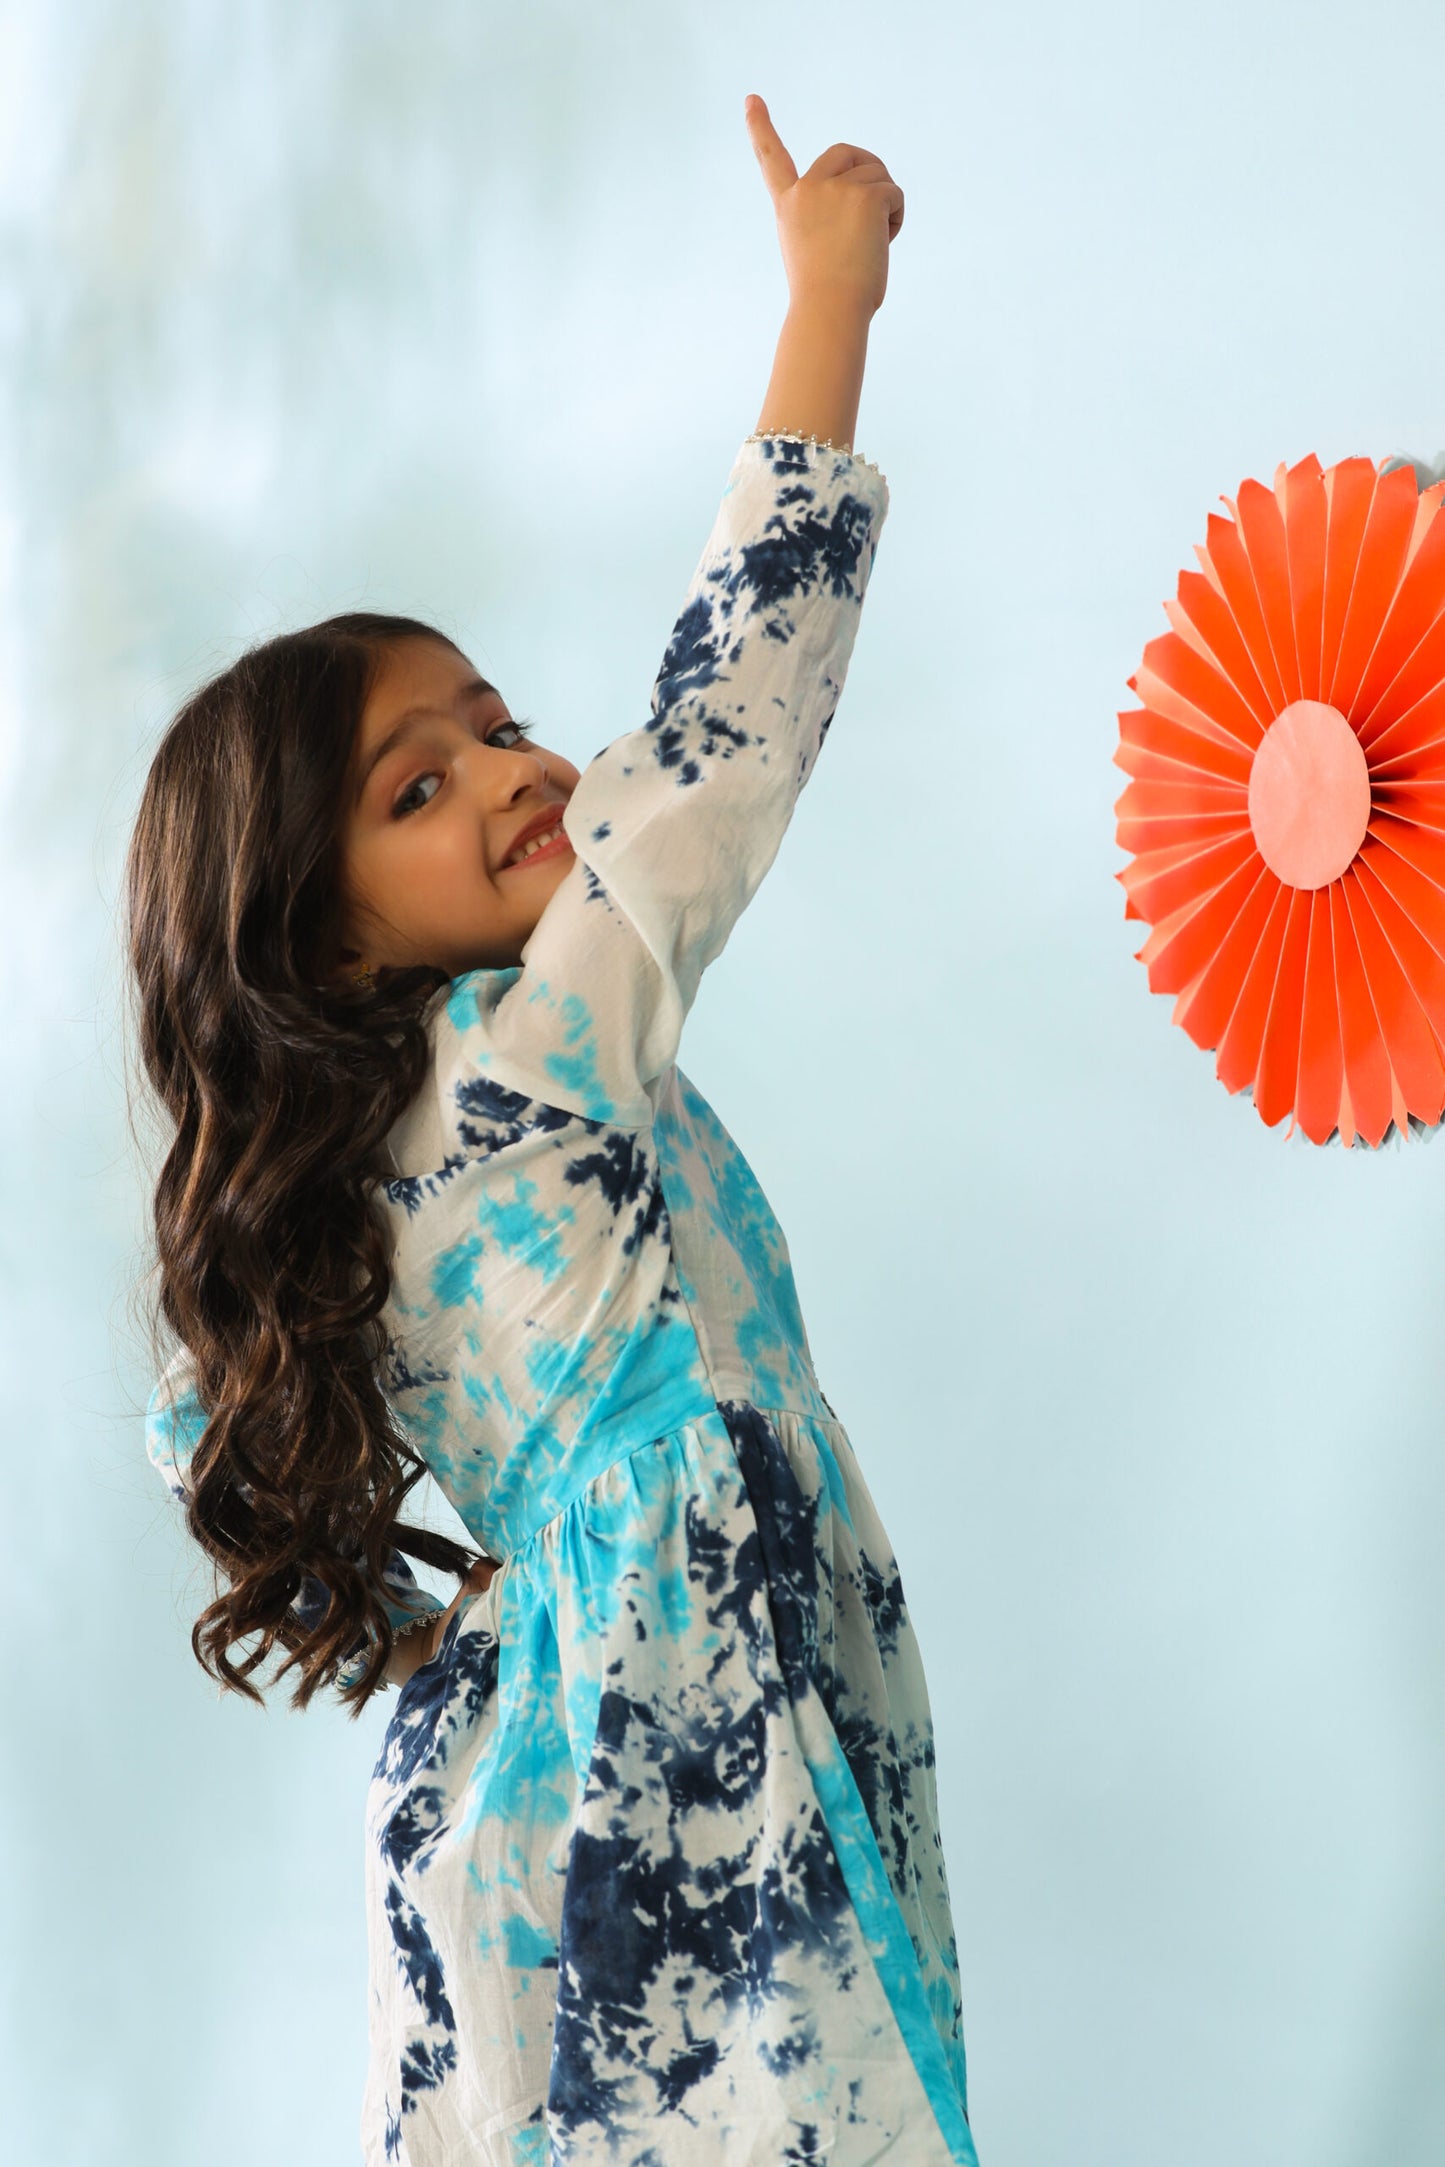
column 1286, row 813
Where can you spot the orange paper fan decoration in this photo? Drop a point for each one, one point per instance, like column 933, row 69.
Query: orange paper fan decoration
column 1287, row 810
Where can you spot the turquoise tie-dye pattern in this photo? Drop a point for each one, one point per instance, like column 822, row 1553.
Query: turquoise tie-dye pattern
column 577, row 1069
column 654, row 1875
column 456, row 1279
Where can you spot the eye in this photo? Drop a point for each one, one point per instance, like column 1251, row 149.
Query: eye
column 398, row 810
column 520, row 725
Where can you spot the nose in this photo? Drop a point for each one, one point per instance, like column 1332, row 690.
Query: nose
column 510, row 771
column 531, row 763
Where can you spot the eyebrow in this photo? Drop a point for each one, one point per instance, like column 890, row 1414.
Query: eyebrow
column 475, row 688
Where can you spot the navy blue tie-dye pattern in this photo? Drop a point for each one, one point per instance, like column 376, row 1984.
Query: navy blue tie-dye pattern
column 653, row 1866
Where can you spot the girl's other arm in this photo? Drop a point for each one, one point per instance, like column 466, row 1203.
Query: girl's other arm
column 421, row 1643
column 175, row 1422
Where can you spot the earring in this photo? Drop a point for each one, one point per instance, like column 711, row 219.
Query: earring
column 363, row 976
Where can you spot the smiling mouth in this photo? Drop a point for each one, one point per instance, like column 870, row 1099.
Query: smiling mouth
column 549, row 844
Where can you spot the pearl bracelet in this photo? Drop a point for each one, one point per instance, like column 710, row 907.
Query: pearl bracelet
column 824, row 443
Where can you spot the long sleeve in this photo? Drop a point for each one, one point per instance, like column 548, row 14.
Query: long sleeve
column 174, row 1423
column 677, row 821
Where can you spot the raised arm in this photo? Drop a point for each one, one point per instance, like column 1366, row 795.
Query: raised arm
column 676, row 822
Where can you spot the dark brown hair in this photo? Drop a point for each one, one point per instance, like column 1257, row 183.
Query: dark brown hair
column 272, row 1257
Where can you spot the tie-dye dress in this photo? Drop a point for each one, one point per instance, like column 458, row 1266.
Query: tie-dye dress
column 653, row 1866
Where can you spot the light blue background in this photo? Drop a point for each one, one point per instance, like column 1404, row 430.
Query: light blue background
column 463, row 311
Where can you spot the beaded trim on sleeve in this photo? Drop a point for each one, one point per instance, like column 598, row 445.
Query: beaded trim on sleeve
column 355, row 1666
column 824, row 443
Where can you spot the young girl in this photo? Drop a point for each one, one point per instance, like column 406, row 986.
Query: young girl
column 653, row 1863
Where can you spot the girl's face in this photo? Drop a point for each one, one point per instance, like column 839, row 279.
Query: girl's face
column 444, row 787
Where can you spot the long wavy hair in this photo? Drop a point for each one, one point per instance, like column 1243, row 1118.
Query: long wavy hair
column 272, row 1258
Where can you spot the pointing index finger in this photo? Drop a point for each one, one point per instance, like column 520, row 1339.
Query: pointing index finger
column 778, row 167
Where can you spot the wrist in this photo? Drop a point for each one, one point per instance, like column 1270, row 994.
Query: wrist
column 832, row 301
column 818, row 368
column 414, row 1645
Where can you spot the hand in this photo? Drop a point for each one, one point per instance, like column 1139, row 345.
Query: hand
column 478, row 1580
column 415, row 1648
column 836, row 221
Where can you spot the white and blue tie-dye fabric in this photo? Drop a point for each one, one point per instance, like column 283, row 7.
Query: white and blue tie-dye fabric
column 654, row 1874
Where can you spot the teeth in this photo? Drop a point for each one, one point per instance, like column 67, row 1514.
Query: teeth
column 536, row 842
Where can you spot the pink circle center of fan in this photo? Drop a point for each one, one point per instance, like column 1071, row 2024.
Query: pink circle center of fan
column 1309, row 795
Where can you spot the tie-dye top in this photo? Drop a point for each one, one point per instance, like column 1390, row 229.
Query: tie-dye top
column 583, row 1258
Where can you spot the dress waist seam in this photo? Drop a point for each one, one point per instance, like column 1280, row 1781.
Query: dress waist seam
column 588, row 1475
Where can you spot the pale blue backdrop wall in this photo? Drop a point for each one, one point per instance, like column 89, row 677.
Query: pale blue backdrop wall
column 462, row 310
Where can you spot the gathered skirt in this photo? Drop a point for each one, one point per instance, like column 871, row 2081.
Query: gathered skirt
column 653, row 1866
